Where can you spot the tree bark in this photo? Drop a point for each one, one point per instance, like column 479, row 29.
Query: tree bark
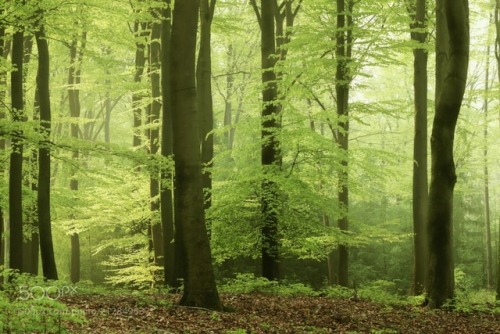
column 270, row 151
column 3, row 83
column 487, row 219
column 418, row 13
column 154, row 136
column 204, row 97
column 199, row 281
column 166, row 190
column 140, row 61
column 76, row 55
column 44, row 174
column 16, row 157
column 443, row 177
column 342, row 82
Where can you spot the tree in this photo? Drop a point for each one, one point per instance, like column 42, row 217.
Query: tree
column 154, row 110
column 199, row 282
column 205, row 103
column 343, row 78
column 44, row 174
column 3, row 82
column 16, row 156
column 418, row 14
column 270, row 152
column 166, row 184
column 74, row 75
column 450, row 88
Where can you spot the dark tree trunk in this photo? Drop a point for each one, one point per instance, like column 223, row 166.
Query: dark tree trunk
column 199, row 281
column 342, row 81
column 16, row 157
column 443, row 177
column 44, row 220
column 166, row 196
column 418, row 14
column 204, row 96
column 270, row 152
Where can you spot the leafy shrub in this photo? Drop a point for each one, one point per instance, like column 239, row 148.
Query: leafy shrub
column 30, row 305
column 247, row 283
column 383, row 292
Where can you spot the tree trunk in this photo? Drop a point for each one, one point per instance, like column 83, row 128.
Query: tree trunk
column 76, row 55
column 204, row 97
column 199, row 281
column 154, row 137
column 3, row 83
column 418, row 13
column 140, row 61
column 342, row 82
column 44, row 175
column 487, row 221
column 167, row 186
column 443, row 177
column 16, row 157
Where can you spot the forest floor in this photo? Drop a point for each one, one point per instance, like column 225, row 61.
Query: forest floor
column 265, row 313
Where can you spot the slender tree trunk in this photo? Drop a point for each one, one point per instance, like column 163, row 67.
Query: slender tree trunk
column 487, row 221
column 199, row 281
column 3, row 83
column 140, row 61
column 16, row 157
column 154, row 138
column 270, row 151
column 204, row 97
column 166, row 196
column 228, row 106
column 418, row 13
column 443, row 177
column 44, row 175
column 342, row 81
column 76, row 55
column 497, row 56
column 30, row 221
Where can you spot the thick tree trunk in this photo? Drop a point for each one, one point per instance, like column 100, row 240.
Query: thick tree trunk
column 443, row 177
column 342, row 81
column 199, row 281
column 166, row 190
column 418, row 13
column 16, row 157
column 44, row 175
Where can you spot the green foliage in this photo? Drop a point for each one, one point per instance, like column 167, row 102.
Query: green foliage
column 248, row 283
column 383, row 292
column 30, row 305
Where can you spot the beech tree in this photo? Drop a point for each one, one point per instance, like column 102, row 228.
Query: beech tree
column 74, row 79
column 452, row 43
column 44, row 170
column 418, row 14
column 16, row 155
column 191, row 233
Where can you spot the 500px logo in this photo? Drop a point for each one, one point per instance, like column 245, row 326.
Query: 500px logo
column 48, row 292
